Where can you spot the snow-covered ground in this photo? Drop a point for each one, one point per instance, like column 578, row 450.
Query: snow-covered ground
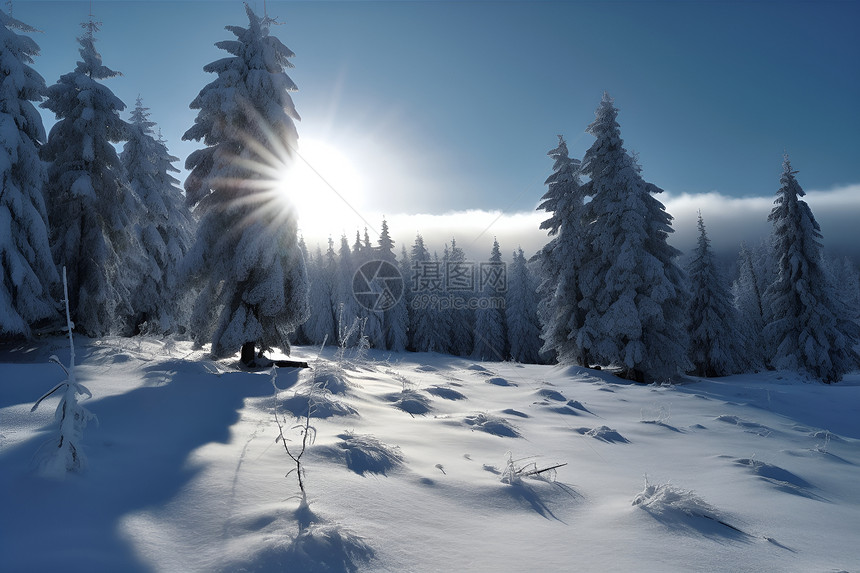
column 409, row 468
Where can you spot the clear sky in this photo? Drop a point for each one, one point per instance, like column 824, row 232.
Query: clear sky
column 428, row 108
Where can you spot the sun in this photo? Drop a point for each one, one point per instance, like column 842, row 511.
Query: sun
column 325, row 188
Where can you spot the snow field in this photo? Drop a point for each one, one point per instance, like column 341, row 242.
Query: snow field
column 184, row 472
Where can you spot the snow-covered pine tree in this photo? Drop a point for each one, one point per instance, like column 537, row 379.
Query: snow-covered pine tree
column 27, row 271
column 846, row 278
column 561, row 259
column 754, row 276
column 165, row 224
column 420, row 279
column 634, row 294
column 320, row 325
column 716, row 343
column 363, row 252
column 803, row 331
column 395, row 320
column 91, row 209
column 405, row 266
column 491, row 342
column 521, row 312
column 462, row 319
column 440, row 311
column 246, row 258
column 347, row 307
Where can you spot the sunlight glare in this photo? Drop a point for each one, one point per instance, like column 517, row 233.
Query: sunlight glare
column 325, row 188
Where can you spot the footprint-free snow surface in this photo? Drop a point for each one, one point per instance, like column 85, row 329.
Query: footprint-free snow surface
column 419, row 464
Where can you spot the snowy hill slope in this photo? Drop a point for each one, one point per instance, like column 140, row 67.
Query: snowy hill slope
column 409, row 468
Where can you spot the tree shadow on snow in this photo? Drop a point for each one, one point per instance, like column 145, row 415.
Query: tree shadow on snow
column 137, row 458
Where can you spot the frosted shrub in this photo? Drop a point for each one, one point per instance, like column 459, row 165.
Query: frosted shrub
column 62, row 452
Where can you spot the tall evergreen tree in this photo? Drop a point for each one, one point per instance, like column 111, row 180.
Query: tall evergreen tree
column 716, row 343
column 521, row 312
column 462, row 320
column 491, row 342
column 395, row 319
column 27, row 271
column 166, row 224
column 634, row 294
column 803, row 331
column 246, row 258
column 421, row 277
column 321, row 322
column 347, row 307
column 754, row 276
column 91, row 208
column 561, row 259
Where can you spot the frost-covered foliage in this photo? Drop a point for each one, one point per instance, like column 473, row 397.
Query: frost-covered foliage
column 716, row 343
column 165, row 226
column 561, row 315
column 27, row 271
column 634, row 294
column 91, row 208
column 395, row 320
column 62, row 453
column 245, row 260
column 755, row 273
column 521, row 312
column 804, row 330
column 490, row 331
column 462, row 319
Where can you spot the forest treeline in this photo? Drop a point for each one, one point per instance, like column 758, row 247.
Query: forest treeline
column 222, row 263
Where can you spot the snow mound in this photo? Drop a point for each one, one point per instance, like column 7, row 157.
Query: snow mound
column 549, row 394
column 323, row 406
column 412, row 402
column 684, row 510
column 752, row 427
column 446, row 393
column 492, row 425
column 497, row 381
column 363, row 453
column 604, row 434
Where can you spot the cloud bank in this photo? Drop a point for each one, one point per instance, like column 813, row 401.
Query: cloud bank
column 729, row 221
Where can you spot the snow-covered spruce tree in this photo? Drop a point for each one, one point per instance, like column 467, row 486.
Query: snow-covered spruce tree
column 462, row 319
column 395, row 320
column 91, row 208
column 754, row 276
column 846, row 278
column 363, row 252
column 346, row 306
column 165, row 224
column 803, row 331
column 27, row 271
column 441, row 322
column 634, row 294
column 521, row 312
column 491, row 341
column 561, row 260
column 320, row 325
column 716, row 343
column 405, row 266
column 420, row 280
column 245, row 259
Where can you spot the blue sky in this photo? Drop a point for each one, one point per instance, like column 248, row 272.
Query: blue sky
column 446, row 107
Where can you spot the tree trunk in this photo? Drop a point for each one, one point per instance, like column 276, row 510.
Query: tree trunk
column 247, row 355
